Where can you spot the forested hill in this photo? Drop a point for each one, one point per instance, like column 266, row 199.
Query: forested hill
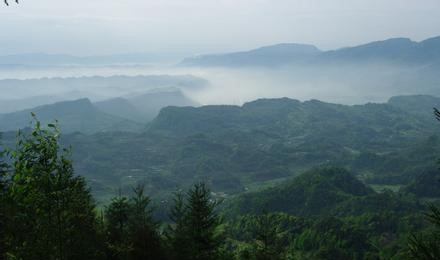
column 397, row 120
column 129, row 114
column 320, row 192
column 74, row 116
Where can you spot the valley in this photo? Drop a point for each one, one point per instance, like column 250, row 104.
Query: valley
column 238, row 149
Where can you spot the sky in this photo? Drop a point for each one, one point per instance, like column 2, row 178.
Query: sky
column 192, row 27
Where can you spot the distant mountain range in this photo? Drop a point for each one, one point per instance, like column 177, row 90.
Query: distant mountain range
column 25, row 94
column 119, row 114
column 265, row 56
column 44, row 59
column 390, row 50
column 397, row 50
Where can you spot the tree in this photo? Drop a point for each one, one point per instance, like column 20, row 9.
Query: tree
column 203, row 221
column 116, row 222
column 426, row 246
column 53, row 211
column 267, row 238
column 131, row 231
column 143, row 230
column 176, row 234
column 196, row 224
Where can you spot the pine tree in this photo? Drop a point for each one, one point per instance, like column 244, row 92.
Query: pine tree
column 131, row 231
column 116, row 221
column 54, row 214
column 194, row 234
column 267, row 241
column 202, row 222
column 142, row 229
column 176, row 233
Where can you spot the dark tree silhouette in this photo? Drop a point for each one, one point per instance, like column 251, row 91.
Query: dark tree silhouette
column 194, row 234
column 53, row 213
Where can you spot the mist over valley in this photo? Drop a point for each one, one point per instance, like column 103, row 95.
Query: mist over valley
column 373, row 72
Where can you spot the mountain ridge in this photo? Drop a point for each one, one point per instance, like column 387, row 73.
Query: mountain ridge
column 273, row 55
column 278, row 113
column 389, row 50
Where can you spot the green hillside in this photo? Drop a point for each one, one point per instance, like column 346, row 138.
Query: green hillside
column 72, row 116
column 258, row 145
column 316, row 192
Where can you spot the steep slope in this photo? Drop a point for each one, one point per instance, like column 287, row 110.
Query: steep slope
column 73, row 116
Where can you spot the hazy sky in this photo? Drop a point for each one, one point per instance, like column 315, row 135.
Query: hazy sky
column 85, row 27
